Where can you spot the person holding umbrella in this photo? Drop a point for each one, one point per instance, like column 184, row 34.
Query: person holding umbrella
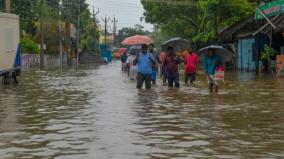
column 145, row 61
column 171, row 66
column 211, row 62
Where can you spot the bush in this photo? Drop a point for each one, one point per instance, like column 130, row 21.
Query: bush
column 29, row 46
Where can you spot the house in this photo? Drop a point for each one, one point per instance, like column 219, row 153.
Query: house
column 249, row 36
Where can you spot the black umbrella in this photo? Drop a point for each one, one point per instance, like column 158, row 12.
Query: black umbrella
column 178, row 44
column 219, row 50
column 136, row 49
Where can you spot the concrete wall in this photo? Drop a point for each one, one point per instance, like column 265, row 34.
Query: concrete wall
column 29, row 61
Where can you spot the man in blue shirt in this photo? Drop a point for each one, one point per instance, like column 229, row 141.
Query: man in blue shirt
column 145, row 63
column 211, row 62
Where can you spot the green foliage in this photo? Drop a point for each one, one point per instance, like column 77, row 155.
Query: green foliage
column 29, row 12
column 29, row 46
column 196, row 20
column 268, row 52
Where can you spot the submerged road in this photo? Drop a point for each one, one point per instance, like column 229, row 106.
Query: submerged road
column 97, row 113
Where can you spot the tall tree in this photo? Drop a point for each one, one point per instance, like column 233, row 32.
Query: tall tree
column 198, row 20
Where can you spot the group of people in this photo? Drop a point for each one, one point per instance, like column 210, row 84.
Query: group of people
column 145, row 66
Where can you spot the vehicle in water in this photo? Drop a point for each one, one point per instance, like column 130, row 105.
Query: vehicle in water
column 10, row 56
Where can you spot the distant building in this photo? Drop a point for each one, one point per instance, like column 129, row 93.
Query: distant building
column 109, row 38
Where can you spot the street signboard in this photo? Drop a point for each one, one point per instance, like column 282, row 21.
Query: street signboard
column 272, row 8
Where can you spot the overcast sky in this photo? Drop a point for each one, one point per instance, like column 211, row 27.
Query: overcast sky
column 127, row 12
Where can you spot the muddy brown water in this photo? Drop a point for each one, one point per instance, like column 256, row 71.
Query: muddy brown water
column 96, row 113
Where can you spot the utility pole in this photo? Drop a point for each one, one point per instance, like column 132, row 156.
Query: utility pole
column 95, row 26
column 114, row 31
column 41, row 36
column 78, row 34
column 8, row 6
column 105, row 20
column 60, row 40
column 68, row 31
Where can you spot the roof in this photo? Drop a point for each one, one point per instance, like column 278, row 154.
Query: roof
column 244, row 26
column 278, row 21
column 249, row 27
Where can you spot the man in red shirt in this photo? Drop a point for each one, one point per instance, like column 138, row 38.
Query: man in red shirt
column 191, row 61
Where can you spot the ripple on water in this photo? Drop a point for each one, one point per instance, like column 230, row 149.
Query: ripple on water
column 97, row 113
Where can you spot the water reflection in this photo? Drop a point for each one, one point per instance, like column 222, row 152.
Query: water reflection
column 98, row 113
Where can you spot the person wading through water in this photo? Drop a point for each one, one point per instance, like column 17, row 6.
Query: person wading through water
column 191, row 61
column 157, row 62
column 211, row 62
column 123, row 59
column 132, row 68
column 171, row 65
column 145, row 61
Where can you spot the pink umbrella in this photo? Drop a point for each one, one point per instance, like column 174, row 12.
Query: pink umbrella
column 137, row 40
column 122, row 50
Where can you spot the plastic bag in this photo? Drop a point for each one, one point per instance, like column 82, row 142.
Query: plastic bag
column 219, row 74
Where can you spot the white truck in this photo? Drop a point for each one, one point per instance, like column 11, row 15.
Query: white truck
column 10, row 56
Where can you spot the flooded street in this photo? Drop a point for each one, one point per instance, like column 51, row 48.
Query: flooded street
column 98, row 113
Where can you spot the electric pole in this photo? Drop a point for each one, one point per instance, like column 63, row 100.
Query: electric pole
column 114, row 31
column 105, row 20
column 8, row 6
column 68, row 16
column 78, row 34
column 95, row 27
column 60, row 40
column 41, row 36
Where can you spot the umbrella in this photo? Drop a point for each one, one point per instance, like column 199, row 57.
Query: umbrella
column 136, row 49
column 219, row 50
column 122, row 50
column 137, row 40
column 178, row 44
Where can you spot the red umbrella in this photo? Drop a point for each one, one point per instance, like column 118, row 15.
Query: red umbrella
column 122, row 50
column 137, row 40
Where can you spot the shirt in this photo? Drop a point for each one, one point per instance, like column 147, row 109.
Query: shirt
column 130, row 60
column 171, row 64
column 123, row 58
column 191, row 61
column 145, row 63
column 211, row 63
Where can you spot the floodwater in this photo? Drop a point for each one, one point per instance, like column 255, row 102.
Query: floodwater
column 97, row 113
